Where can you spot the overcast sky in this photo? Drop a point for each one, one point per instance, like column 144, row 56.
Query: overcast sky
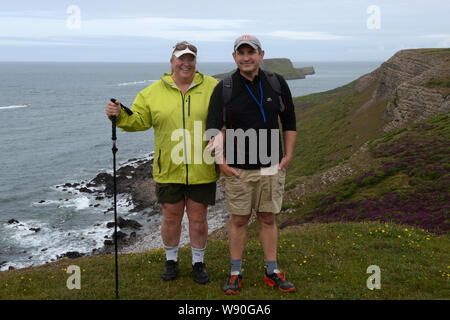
column 145, row 30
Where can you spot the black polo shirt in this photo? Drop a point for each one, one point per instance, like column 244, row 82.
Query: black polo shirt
column 256, row 122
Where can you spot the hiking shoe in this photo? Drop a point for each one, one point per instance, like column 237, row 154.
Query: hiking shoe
column 234, row 282
column 279, row 280
column 200, row 274
column 170, row 270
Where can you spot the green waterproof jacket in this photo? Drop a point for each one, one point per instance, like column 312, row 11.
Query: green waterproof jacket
column 179, row 125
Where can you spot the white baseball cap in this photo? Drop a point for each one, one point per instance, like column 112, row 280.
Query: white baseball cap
column 183, row 48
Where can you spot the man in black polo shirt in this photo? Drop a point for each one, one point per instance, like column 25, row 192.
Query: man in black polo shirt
column 254, row 165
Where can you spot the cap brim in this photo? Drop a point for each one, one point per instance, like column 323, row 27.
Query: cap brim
column 251, row 44
column 179, row 53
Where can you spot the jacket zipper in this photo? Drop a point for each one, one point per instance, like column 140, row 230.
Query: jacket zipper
column 184, row 129
column 184, row 140
column 159, row 161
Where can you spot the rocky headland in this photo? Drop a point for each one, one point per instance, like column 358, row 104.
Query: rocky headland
column 282, row 66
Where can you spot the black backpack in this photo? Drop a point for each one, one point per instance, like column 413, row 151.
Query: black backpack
column 228, row 88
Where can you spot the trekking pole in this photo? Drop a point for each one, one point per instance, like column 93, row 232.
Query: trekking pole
column 114, row 151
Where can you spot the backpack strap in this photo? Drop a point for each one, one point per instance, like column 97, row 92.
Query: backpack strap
column 276, row 86
column 227, row 89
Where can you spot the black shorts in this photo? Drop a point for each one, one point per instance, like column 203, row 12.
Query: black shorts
column 174, row 192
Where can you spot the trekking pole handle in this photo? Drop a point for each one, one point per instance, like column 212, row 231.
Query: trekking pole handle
column 114, row 137
column 127, row 110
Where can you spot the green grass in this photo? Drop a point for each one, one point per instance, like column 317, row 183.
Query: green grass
column 330, row 130
column 325, row 261
column 444, row 83
column 410, row 185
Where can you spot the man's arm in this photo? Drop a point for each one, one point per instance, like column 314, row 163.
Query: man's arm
column 214, row 120
column 289, row 124
column 289, row 143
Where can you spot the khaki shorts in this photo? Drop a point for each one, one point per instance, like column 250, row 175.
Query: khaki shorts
column 253, row 192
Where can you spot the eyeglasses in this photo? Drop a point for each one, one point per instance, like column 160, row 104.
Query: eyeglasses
column 184, row 45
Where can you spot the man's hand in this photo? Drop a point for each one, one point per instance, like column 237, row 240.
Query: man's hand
column 113, row 109
column 228, row 171
column 215, row 146
column 285, row 161
column 289, row 142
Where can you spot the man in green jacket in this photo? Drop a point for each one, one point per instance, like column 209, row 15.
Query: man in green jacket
column 176, row 107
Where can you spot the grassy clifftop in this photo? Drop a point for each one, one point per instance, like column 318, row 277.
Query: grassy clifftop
column 325, row 261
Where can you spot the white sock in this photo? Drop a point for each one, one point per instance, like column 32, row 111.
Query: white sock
column 171, row 253
column 197, row 255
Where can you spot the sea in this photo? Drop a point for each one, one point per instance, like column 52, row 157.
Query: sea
column 54, row 131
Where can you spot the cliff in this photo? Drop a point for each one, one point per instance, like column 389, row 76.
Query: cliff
column 402, row 106
column 415, row 82
column 282, row 66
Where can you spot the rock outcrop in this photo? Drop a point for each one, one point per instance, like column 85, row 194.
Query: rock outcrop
column 416, row 83
column 136, row 181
